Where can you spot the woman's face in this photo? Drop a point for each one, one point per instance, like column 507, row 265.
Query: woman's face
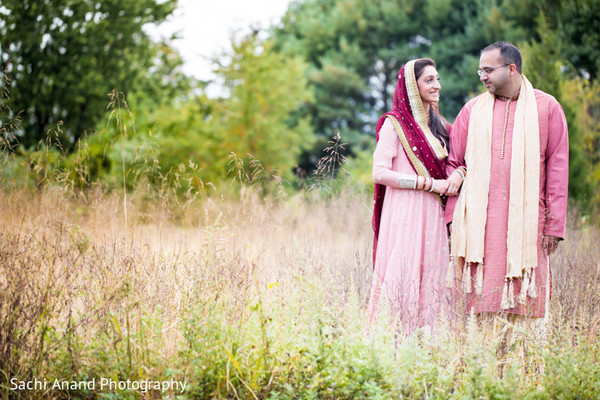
column 429, row 85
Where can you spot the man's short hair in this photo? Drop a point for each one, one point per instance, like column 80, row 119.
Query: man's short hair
column 509, row 53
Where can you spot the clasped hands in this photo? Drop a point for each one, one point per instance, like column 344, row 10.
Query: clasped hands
column 449, row 187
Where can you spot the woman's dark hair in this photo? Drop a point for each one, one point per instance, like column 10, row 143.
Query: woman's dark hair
column 437, row 123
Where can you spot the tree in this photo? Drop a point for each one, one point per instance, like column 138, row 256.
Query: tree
column 579, row 21
column 67, row 55
column 356, row 48
column 548, row 69
column 260, row 115
column 188, row 144
column 583, row 97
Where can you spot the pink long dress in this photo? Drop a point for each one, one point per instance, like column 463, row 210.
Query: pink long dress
column 412, row 251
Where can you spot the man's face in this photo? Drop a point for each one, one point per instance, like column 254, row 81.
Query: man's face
column 495, row 72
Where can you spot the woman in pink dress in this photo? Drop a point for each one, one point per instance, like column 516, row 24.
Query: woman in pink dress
column 410, row 249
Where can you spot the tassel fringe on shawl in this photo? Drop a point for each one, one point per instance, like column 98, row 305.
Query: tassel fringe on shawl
column 470, row 214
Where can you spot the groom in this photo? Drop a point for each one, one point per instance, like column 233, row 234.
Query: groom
column 511, row 212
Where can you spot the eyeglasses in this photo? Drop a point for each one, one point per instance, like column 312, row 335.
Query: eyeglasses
column 489, row 70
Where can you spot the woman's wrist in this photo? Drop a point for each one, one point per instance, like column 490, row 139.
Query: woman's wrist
column 425, row 184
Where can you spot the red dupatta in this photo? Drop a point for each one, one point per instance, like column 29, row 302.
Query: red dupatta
column 424, row 151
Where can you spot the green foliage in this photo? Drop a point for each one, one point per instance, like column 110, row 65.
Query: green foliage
column 360, row 167
column 264, row 351
column 573, row 374
column 576, row 23
column 187, row 146
column 583, row 98
column 266, row 89
column 545, row 66
column 458, row 30
column 67, row 55
column 329, row 68
column 9, row 121
column 355, row 49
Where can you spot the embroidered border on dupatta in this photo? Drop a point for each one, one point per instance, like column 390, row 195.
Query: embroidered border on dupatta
column 417, row 164
column 435, row 148
column 416, row 106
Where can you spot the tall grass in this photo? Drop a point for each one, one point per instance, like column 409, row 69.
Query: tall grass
column 252, row 293
column 246, row 297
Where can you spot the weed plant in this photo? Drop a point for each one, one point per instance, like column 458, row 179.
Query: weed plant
column 254, row 299
column 247, row 293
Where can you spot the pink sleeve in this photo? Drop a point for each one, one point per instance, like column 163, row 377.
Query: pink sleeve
column 456, row 156
column 385, row 152
column 557, row 173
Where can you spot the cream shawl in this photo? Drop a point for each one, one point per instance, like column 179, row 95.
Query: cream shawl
column 470, row 214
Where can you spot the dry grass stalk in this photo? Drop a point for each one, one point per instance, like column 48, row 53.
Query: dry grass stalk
column 80, row 275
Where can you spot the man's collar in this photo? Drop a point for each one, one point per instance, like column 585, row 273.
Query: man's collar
column 504, row 98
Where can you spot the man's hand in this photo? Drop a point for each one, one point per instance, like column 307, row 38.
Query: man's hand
column 550, row 243
column 454, row 181
column 440, row 186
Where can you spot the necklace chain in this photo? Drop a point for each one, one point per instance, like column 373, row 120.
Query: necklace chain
column 504, row 130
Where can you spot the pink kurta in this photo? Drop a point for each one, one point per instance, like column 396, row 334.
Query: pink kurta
column 412, row 251
column 554, row 167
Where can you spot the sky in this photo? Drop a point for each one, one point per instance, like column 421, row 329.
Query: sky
column 206, row 28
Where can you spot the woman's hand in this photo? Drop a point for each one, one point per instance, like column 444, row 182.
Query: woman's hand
column 454, row 181
column 440, row 186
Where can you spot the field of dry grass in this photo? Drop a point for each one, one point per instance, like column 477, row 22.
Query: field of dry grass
column 242, row 297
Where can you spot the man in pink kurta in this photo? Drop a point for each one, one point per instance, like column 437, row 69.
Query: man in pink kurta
column 500, row 71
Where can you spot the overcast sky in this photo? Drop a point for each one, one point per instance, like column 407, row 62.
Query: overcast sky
column 206, row 26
